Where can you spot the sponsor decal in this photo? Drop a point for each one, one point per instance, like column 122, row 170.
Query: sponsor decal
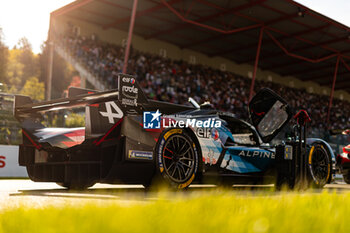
column 288, row 152
column 214, row 134
column 257, row 153
column 151, row 120
column 136, row 154
column 130, row 92
column 171, row 132
column 128, row 80
column 2, row 161
column 208, row 123
column 130, row 89
column 117, row 114
column 203, row 132
column 207, row 133
column 129, row 102
column 160, row 163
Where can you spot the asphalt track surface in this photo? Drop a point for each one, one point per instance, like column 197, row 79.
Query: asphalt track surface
column 19, row 192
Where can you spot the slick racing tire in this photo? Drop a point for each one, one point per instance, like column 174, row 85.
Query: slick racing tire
column 177, row 158
column 76, row 186
column 319, row 163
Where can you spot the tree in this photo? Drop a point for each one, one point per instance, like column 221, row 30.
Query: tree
column 34, row 89
column 24, row 44
column 75, row 120
column 14, row 71
column 29, row 60
column 22, row 64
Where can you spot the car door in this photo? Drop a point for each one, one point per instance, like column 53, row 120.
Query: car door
column 269, row 113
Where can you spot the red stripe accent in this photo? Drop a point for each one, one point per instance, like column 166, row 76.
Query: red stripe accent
column 31, row 140
column 80, row 132
column 154, row 130
column 71, row 143
column 109, row 131
column 92, row 105
column 169, row 150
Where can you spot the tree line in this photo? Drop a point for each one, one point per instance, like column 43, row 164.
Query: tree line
column 23, row 72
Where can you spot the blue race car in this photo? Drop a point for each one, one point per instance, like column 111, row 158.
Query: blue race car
column 129, row 139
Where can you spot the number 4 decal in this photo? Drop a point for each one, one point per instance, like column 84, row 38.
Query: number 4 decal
column 110, row 114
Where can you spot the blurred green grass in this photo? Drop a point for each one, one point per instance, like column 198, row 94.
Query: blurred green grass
column 218, row 211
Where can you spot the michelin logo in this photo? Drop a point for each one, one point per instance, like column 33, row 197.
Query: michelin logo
column 136, row 154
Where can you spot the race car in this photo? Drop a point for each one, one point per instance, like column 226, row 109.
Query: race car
column 129, row 139
column 343, row 159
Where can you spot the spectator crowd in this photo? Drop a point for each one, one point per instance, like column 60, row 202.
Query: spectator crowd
column 176, row 80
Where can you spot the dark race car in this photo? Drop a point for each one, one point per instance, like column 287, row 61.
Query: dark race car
column 130, row 139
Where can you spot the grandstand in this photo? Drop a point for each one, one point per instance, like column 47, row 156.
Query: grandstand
column 212, row 50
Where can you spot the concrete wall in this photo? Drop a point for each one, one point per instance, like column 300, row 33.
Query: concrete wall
column 174, row 52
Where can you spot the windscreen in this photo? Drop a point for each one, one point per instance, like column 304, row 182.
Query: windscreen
column 273, row 120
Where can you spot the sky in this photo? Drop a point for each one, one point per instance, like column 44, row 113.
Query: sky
column 30, row 18
column 27, row 18
column 335, row 9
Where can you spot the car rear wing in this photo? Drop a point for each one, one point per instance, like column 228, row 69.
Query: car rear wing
column 102, row 109
column 128, row 93
column 24, row 106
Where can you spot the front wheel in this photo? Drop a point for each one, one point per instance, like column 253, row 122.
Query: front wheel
column 319, row 163
column 177, row 158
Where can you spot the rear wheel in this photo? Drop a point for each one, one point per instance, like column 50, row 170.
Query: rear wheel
column 177, row 158
column 319, row 166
